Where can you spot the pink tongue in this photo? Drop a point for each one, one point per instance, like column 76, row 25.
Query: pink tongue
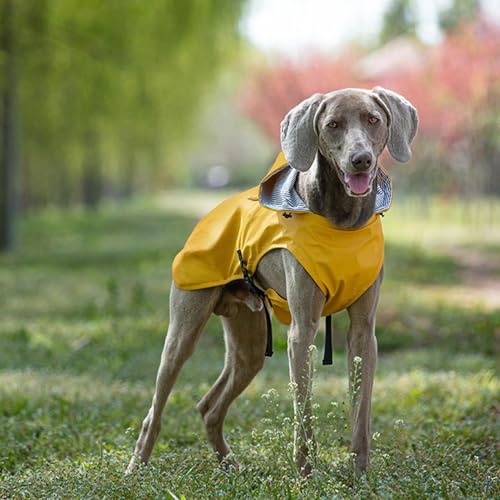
column 359, row 183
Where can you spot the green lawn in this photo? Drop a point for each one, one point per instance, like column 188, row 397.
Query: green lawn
column 83, row 311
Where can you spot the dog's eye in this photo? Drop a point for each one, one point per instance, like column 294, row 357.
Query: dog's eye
column 333, row 124
column 373, row 120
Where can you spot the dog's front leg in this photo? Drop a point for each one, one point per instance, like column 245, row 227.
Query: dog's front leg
column 300, row 338
column 306, row 303
column 362, row 347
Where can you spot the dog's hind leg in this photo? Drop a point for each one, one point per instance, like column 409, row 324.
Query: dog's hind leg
column 189, row 312
column 245, row 337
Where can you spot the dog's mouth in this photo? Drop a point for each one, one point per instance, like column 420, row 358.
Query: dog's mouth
column 359, row 184
column 356, row 184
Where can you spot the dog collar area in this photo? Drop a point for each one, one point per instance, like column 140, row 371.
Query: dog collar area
column 277, row 191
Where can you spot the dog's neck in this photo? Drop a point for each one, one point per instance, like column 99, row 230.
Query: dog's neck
column 324, row 194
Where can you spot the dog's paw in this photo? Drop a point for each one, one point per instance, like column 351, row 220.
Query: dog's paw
column 131, row 466
column 230, row 464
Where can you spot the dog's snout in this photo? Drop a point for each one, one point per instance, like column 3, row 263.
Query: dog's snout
column 362, row 160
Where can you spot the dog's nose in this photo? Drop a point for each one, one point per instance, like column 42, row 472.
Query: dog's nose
column 361, row 160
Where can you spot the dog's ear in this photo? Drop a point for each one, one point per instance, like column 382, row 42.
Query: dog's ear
column 403, row 122
column 299, row 136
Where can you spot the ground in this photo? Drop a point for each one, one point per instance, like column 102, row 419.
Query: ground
column 83, row 312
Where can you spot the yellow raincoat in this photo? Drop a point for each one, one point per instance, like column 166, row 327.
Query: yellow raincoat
column 343, row 263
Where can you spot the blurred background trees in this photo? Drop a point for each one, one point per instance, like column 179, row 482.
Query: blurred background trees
column 104, row 93
column 454, row 84
column 106, row 99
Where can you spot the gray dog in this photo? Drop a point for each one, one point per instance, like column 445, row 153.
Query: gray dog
column 333, row 142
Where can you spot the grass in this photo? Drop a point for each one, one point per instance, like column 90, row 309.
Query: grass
column 83, row 312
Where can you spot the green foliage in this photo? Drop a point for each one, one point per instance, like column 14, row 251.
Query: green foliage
column 458, row 12
column 84, row 311
column 399, row 19
column 109, row 91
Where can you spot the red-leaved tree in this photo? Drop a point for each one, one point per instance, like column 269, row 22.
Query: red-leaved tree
column 276, row 89
column 456, row 90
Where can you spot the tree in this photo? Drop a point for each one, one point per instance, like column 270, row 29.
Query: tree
column 108, row 91
column 274, row 90
column 8, row 152
column 459, row 12
column 457, row 94
column 455, row 88
column 399, row 19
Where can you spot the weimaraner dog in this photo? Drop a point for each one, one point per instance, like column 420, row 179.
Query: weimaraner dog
column 334, row 141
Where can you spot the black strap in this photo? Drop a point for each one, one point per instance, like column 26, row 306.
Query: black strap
column 257, row 291
column 328, row 355
column 269, row 326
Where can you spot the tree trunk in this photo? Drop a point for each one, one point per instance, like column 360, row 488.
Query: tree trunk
column 8, row 153
column 91, row 186
column 92, row 181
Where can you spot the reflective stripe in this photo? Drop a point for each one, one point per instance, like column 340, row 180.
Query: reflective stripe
column 384, row 192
